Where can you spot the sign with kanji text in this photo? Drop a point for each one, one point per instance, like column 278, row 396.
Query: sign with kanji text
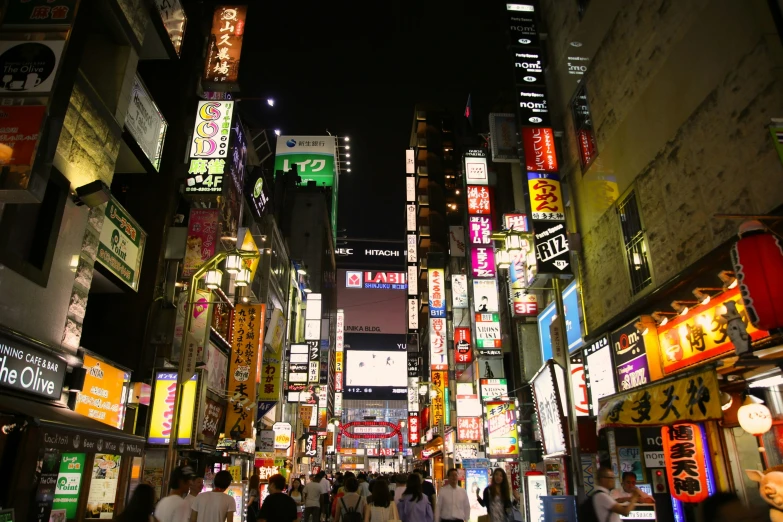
column 270, row 379
column 516, row 222
column 312, row 156
column 39, row 12
column 480, row 230
column 463, row 351
column 209, row 147
column 539, row 146
column 246, row 341
column 546, row 199
column 121, row 245
column 225, row 44
column 311, row 445
column 440, row 383
column 694, row 398
column 469, row 429
column 202, row 239
column 414, row 433
column 437, row 292
column 482, row 262
column 282, row 431
column 479, row 200
column 21, row 129
column 684, row 450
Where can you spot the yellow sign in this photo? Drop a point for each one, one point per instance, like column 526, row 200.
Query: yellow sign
column 546, row 199
column 248, row 243
column 236, row 473
column 440, row 381
column 269, row 386
column 305, row 415
column 243, row 370
column 690, row 399
column 163, row 409
column 101, row 395
column 701, row 334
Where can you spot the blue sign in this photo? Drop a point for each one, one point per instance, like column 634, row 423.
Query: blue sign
column 573, row 326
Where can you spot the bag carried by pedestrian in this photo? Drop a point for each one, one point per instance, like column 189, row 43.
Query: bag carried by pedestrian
column 586, row 510
column 352, row 514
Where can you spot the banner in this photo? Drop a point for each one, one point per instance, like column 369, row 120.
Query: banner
column 313, row 157
column 695, row 398
column 69, row 481
column 243, row 370
column 437, row 292
column 202, row 239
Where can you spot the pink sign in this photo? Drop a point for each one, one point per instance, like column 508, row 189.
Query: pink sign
column 482, row 262
column 202, row 239
column 480, row 228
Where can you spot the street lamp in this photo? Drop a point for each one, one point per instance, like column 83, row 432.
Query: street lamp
column 212, row 278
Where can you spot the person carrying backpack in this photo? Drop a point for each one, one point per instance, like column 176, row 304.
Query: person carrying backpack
column 600, row 506
column 350, row 507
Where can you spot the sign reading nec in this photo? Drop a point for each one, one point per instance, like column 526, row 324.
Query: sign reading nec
column 369, row 252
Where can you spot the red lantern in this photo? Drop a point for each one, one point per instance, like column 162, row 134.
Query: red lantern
column 758, row 263
column 684, row 453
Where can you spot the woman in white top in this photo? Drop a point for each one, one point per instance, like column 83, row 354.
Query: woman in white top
column 381, row 507
column 296, row 495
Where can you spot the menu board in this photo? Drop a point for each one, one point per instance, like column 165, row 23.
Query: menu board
column 103, row 487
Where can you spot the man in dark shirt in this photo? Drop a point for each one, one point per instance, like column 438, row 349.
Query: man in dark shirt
column 277, row 507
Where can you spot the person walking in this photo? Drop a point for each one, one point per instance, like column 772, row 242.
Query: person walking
column 381, row 508
column 401, row 481
column 427, row 488
column 326, row 488
column 350, row 507
column 296, row 494
column 453, row 502
column 196, row 485
column 413, row 506
column 606, row 508
column 140, row 506
column 312, row 499
column 277, row 507
column 497, row 498
column 174, row 508
column 364, row 487
column 215, row 505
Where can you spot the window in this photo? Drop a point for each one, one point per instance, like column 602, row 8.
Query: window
column 634, row 242
column 28, row 232
column 583, row 126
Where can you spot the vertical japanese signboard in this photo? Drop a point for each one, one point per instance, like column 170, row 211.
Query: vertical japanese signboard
column 469, row 429
column 476, row 167
column 539, row 147
column 463, row 350
column 269, row 388
column 121, row 244
column 414, row 435
column 501, row 430
column 438, row 357
column 225, row 44
column 440, row 383
column 684, row 450
column 549, row 410
column 243, row 370
column 202, row 239
column 437, row 292
column 209, row 147
column 162, row 411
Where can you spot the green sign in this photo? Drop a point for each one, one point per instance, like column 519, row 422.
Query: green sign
column 69, row 481
column 776, row 129
column 318, row 167
column 6, row 515
column 121, row 246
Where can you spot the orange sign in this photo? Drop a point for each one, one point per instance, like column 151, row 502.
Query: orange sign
column 440, row 381
column 243, row 370
column 478, row 200
column 546, row 200
column 684, row 453
column 225, row 44
column 701, row 334
column 101, row 395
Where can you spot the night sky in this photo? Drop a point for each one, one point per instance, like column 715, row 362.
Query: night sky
column 358, row 70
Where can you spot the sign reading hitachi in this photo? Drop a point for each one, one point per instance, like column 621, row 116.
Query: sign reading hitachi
column 368, row 254
column 27, row 369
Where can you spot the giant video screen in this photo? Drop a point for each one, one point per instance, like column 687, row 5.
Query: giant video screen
column 376, row 367
column 373, row 302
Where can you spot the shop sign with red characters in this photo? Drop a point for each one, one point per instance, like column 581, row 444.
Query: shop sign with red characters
column 546, row 199
column 684, row 451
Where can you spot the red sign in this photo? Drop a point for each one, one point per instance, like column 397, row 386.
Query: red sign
column 463, row 353
column 539, row 146
column 375, row 452
column 414, row 436
column 225, row 44
column 758, row 262
column 515, row 476
column 20, row 127
column 478, row 200
column 684, row 453
column 468, row 429
column 385, row 277
column 586, row 144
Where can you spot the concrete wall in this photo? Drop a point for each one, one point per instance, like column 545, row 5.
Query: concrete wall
column 680, row 94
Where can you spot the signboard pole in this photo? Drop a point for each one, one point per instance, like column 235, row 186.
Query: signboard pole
column 575, row 477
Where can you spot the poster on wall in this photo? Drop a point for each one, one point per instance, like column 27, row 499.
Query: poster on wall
column 103, row 486
column 121, row 244
column 485, row 296
column 476, row 480
column 69, row 481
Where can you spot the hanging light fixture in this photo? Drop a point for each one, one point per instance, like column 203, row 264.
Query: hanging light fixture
column 754, row 417
column 682, row 307
column 233, row 263
column 728, row 279
column 243, row 277
column 702, row 297
column 213, row 279
column 660, row 317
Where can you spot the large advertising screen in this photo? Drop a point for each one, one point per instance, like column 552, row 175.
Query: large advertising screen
column 374, row 302
column 376, row 366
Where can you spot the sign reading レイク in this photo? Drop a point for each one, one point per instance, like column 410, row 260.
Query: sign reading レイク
column 101, row 395
column 121, row 244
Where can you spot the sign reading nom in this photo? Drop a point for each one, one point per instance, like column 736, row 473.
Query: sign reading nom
column 121, row 244
column 30, row 370
column 209, row 147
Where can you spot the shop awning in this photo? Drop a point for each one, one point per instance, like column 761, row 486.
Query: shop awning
column 694, row 397
column 64, row 429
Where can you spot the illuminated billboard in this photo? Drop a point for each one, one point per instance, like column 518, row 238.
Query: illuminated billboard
column 376, row 366
column 377, row 307
column 162, row 414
